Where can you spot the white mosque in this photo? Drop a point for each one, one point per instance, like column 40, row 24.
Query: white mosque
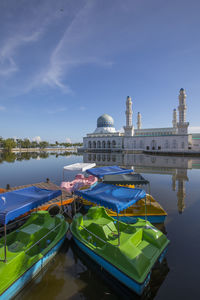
column 170, row 139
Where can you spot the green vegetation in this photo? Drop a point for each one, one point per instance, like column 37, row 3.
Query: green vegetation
column 10, row 143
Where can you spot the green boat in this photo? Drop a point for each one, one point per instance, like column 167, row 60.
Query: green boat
column 127, row 251
column 26, row 250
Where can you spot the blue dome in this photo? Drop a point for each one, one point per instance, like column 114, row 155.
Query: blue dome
column 105, row 121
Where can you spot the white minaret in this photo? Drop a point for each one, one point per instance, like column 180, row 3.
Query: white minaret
column 139, row 123
column 128, row 129
column 182, row 124
column 174, row 121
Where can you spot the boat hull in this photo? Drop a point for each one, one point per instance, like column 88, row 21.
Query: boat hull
column 123, row 278
column 20, row 283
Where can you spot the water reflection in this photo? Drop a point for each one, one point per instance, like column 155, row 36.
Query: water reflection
column 11, row 157
column 177, row 167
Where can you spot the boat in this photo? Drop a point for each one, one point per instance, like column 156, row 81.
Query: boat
column 147, row 207
column 80, row 181
column 100, row 172
column 127, row 251
column 26, row 250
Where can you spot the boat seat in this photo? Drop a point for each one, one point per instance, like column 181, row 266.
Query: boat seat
column 16, row 246
column 31, row 229
column 104, row 231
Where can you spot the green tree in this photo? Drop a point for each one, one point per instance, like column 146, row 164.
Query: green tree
column 44, row 144
column 8, row 144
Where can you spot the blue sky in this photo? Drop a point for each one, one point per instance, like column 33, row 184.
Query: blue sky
column 64, row 63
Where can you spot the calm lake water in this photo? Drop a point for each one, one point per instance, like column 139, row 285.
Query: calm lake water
column 175, row 184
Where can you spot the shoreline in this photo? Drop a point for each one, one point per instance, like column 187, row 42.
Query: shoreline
column 18, row 150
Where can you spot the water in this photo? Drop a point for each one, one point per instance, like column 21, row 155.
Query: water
column 174, row 183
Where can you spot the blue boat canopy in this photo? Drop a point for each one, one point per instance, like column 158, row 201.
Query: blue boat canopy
column 16, row 203
column 108, row 170
column 111, row 196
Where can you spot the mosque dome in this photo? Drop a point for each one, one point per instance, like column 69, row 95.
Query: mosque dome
column 105, row 121
column 105, row 124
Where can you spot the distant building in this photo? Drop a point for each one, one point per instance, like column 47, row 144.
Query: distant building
column 169, row 139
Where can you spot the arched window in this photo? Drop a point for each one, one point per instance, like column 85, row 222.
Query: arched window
column 94, row 157
column 98, row 144
column 108, row 144
column 94, row 144
column 153, row 145
column 174, row 144
column 89, row 144
column 98, row 157
column 166, row 144
column 104, row 144
column 113, row 144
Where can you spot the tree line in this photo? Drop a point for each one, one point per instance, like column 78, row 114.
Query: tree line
column 10, row 143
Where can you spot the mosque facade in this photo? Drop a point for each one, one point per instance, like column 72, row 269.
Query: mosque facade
column 169, row 139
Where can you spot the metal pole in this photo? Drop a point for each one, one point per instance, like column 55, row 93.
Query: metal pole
column 118, row 229
column 145, row 208
column 5, row 243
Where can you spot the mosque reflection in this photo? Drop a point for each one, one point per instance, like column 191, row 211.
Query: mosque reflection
column 175, row 166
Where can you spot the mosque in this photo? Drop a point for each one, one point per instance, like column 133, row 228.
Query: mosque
column 169, row 139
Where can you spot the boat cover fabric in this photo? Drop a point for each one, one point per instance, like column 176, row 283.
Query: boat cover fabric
column 114, row 197
column 125, row 179
column 80, row 167
column 108, row 170
column 16, row 203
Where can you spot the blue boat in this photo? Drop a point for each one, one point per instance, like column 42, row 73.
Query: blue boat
column 26, row 250
column 127, row 251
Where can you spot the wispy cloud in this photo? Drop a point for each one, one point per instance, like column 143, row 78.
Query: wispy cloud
column 36, row 139
column 82, row 107
column 2, row 108
column 56, row 110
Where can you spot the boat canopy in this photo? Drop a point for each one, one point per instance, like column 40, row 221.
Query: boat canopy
column 108, row 170
column 114, row 197
column 125, row 179
column 79, row 167
column 18, row 202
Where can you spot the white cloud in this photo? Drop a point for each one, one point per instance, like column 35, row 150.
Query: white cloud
column 82, row 107
column 36, row 139
column 68, row 140
column 194, row 129
column 56, row 110
column 2, row 108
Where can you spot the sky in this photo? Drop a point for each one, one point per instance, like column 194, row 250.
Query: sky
column 64, row 63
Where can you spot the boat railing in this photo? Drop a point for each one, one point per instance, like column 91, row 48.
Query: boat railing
column 36, row 243
column 94, row 235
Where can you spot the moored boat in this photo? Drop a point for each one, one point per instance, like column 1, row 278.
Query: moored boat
column 80, row 181
column 25, row 251
column 127, row 251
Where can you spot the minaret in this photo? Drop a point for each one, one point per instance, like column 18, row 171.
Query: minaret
column 129, row 130
column 139, row 123
column 182, row 124
column 174, row 121
column 181, row 195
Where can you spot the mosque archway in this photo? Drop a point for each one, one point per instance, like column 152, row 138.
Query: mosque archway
column 153, row 145
column 113, row 144
column 108, row 144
